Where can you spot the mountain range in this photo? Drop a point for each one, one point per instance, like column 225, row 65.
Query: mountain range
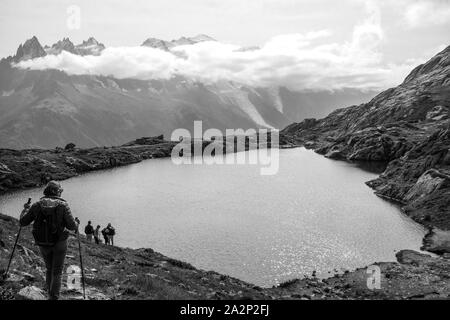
column 49, row 108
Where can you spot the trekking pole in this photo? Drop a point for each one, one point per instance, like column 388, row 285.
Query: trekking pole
column 81, row 260
column 5, row 275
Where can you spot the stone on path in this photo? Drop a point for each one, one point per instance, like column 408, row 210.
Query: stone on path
column 32, row 293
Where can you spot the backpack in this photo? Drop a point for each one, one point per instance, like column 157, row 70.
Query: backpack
column 89, row 229
column 111, row 231
column 45, row 228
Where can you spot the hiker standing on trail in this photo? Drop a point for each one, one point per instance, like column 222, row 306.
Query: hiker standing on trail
column 89, row 231
column 52, row 220
column 105, row 235
column 97, row 235
column 111, row 233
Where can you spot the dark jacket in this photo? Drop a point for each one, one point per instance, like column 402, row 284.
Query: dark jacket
column 89, row 229
column 65, row 220
column 111, row 231
column 105, row 232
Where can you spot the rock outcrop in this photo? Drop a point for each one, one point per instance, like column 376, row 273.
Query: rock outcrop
column 31, row 168
column 408, row 129
column 29, row 50
column 32, row 293
column 437, row 241
column 90, row 47
column 62, row 45
column 20, row 169
column 32, row 48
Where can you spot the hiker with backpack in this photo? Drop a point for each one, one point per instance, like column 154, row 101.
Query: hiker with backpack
column 89, row 231
column 111, row 233
column 105, row 235
column 97, row 235
column 52, row 219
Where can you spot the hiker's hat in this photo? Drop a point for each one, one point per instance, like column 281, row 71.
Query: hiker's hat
column 52, row 188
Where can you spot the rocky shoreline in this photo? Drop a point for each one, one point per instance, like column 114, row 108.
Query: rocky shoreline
column 121, row 273
column 409, row 128
column 21, row 169
column 418, row 179
column 145, row 274
column 137, row 274
column 30, row 168
column 114, row 273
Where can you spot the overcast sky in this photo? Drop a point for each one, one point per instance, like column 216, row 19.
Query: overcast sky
column 411, row 27
column 387, row 31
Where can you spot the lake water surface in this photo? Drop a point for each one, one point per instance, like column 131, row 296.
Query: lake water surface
column 315, row 214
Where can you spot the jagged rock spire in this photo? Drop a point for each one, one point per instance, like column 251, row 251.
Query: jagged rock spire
column 29, row 50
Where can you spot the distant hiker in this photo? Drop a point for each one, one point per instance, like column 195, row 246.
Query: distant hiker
column 97, row 235
column 111, row 233
column 105, row 235
column 89, row 231
column 52, row 220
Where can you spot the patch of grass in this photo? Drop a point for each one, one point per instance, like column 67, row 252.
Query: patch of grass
column 156, row 289
column 180, row 264
column 287, row 283
column 98, row 282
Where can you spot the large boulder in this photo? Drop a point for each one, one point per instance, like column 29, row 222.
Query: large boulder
column 437, row 113
column 437, row 241
column 428, row 182
column 78, row 164
column 335, row 153
column 32, row 293
column 412, row 257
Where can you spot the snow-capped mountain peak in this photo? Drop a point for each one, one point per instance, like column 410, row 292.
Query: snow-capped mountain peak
column 155, row 43
column 62, row 45
column 90, row 47
column 167, row 45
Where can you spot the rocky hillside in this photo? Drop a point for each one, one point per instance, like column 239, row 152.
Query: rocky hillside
column 408, row 127
column 114, row 273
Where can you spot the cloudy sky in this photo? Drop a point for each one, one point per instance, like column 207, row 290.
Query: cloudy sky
column 306, row 43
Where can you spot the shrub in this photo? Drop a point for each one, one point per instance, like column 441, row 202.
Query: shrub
column 70, row 146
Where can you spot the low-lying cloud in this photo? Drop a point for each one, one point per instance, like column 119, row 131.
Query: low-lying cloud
column 425, row 13
column 298, row 61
